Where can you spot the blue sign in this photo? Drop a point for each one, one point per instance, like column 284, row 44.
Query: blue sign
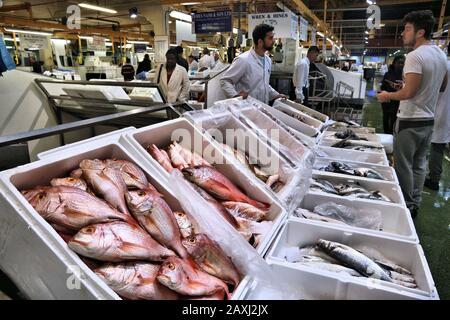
column 211, row 22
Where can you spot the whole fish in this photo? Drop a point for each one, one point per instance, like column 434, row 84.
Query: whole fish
column 106, row 182
column 323, row 185
column 135, row 281
column 160, row 156
column 272, row 180
column 216, row 204
column 185, row 277
column 176, row 158
column 314, row 216
column 117, row 241
column 191, row 158
column 368, row 173
column 319, row 263
column 133, row 176
column 69, row 182
column 185, row 225
column 71, row 207
column 354, row 259
column 338, row 167
column 218, row 185
column 77, row 173
column 245, row 210
column 211, row 258
column 155, row 215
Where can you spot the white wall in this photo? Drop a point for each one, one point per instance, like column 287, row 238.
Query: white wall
column 354, row 79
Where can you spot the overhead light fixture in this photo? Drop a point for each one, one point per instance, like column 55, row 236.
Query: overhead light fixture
column 133, row 12
column 148, row 48
column 170, row 21
column 9, row 47
column 96, row 8
column 33, row 49
column 87, row 38
column 365, row 38
column 180, row 16
column 11, row 39
column 369, row 2
column 235, row 30
column 108, row 44
column 189, row 3
column 320, row 34
column 367, row 32
column 60, row 41
column 137, row 42
column 40, row 33
column 382, row 25
column 218, row 33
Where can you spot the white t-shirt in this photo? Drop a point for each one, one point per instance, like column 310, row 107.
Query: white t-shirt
column 441, row 130
column 429, row 61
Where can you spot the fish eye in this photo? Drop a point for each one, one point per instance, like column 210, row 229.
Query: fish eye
column 71, row 179
column 90, row 230
column 171, row 266
column 40, row 196
column 180, row 214
column 192, row 239
column 141, row 193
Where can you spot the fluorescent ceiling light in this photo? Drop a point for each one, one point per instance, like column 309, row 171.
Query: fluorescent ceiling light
column 108, row 44
column 33, row 49
column 367, row 32
column 189, row 3
column 40, row 33
column 9, row 47
column 369, row 2
column 180, row 16
column 137, row 42
column 235, row 30
column 60, row 40
column 97, row 8
column 382, row 25
column 320, row 34
column 86, row 38
column 11, row 39
column 127, row 46
column 148, row 48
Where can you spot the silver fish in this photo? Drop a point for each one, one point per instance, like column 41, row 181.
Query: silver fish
column 323, row 185
column 368, row 173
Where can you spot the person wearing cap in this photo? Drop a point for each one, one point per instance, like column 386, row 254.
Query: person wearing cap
column 301, row 73
column 249, row 74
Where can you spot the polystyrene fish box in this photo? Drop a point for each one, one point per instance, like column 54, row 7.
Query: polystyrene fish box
column 387, row 172
column 234, row 133
column 319, row 287
column 352, row 155
column 368, row 136
column 396, row 221
column 34, row 256
column 300, row 233
column 310, row 112
column 299, row 115
column 388, row 189
column 162, row 135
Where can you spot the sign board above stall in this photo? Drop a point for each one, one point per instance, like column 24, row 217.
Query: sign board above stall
column 96, row 44
column 34, row 41
column 303, row 29
column 285, row 23
column 313, row 36
column 210, row 22
column 184, row 32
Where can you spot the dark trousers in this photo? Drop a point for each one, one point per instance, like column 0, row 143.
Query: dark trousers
column 389, row 117
column 435, row 161
column 306, row 95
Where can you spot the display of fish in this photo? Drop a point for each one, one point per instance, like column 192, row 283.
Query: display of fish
column 184, row 223
column 135, row 281
column 191, row 158
column 69, row 182
column 348, row 134
column 324, row 185
column 161, row 156
column 339, row 167
column 71, row 207
column 354, row 259
column 368, row 173
column 218, row 185
column 245, row 210
column 106, row 182
column 117, row 241
column 155, row 216
column 211, row 258
column 303, row 213
column 345, row 144
column 185, row 277
column 177, row 159
column 133, row 176
column 319, row 263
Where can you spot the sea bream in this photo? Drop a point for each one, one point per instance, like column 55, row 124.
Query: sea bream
column 71, row 207
column 245, row 210
column 69, row 182
column 161, row 156
column 184, row 223
column 216, row 184
column 354, row 259
column 135, row 281
column 133, row 176
column 117, row 241
column 154, row 214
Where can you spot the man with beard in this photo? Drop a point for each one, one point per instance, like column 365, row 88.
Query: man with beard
column 425, row 75
column 249, row 73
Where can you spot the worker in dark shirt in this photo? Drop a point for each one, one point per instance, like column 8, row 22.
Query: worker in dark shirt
column 391, row 83
column 37, row 67
column 128, row 71
column 180, row 60
column 143, row 66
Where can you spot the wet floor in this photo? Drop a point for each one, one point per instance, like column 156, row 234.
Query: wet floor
column 433, row 221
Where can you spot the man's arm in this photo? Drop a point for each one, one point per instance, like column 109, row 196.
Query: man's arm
column 300, row 70
column 410, row 89
column 444, row 83
column 232, row 76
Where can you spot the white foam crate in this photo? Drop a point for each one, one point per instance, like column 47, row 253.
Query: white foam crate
column 297, row 114
column 388, row 189
column 292, row 171
column 161, row 136
column 300, row 233
column 311, row 112
column 35, row 257
column 396, row 220
column 352, row 155
column 292, row 122
column 319, row 287
column 387, row 172
column 370, row 137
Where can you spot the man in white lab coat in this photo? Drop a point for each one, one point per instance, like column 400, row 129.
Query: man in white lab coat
column 193, row 64
column 206, row 61
column 301, row 73
column 249, row 74
column 440, row 137
column 173, row 79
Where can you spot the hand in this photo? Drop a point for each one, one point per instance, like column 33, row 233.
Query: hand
column 242, row 94
column 281, row 96
column 383, row 96
column 398, row 84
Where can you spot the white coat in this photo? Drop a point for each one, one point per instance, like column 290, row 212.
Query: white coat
column 441, row 130
column 206, row 62
column 248, row 74
column 177, row 89
column 300, row 77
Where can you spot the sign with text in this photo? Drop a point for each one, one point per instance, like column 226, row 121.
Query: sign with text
column 34, row 41
column 313, row 36
column 303, row 29
column 210, row 22
column 96, row 44
column 283, row 23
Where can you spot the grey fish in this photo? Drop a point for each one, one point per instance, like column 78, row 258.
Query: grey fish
column 323, row 185
column 368, row 173
column 314, row 216
column 354, row 259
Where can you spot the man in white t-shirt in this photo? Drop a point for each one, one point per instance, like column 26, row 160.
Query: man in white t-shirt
column 425, row 75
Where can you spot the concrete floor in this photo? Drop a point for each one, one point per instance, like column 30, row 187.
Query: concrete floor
column 433, row 221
